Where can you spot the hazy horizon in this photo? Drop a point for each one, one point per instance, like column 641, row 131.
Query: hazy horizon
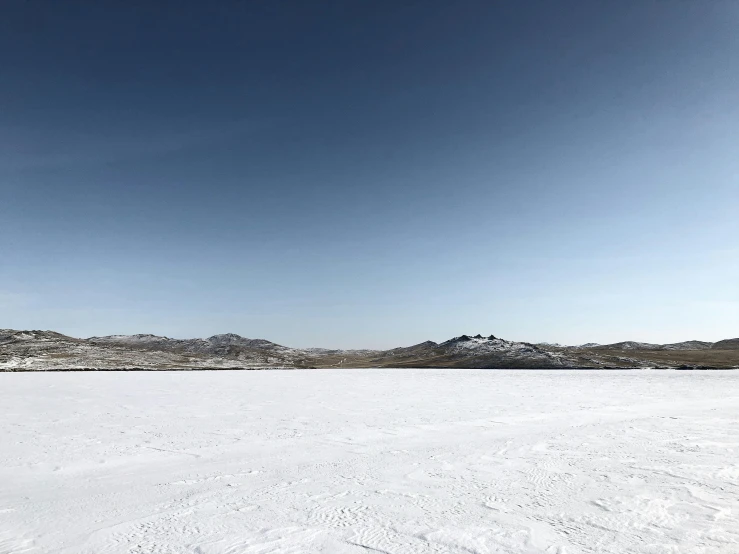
column 371, row 175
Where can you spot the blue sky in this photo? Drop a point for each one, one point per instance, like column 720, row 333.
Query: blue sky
column 371, row 174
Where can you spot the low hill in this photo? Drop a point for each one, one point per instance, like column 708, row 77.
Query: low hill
column 728, row 344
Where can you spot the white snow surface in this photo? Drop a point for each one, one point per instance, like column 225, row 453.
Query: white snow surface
column 377, row 460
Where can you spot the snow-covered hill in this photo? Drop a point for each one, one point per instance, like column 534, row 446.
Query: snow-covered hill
column 48, row 350
column 633, row 345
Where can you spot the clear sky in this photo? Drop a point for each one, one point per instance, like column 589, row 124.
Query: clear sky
column 371, row 173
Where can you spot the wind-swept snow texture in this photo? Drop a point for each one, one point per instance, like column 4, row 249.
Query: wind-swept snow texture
column 380, row 460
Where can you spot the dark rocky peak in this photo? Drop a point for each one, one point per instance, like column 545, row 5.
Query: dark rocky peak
column 456, row 340
column 465, row 338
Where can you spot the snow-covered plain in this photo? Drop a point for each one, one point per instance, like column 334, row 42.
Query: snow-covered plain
column 357, row 461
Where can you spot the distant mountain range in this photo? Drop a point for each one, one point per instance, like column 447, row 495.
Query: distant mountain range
column 48, row 351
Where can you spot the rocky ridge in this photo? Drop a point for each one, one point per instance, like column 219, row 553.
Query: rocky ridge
column 48, row 350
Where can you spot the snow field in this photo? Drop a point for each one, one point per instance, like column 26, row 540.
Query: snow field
column 378, row 460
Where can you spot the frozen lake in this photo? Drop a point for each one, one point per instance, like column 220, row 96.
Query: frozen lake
column 358, row 461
